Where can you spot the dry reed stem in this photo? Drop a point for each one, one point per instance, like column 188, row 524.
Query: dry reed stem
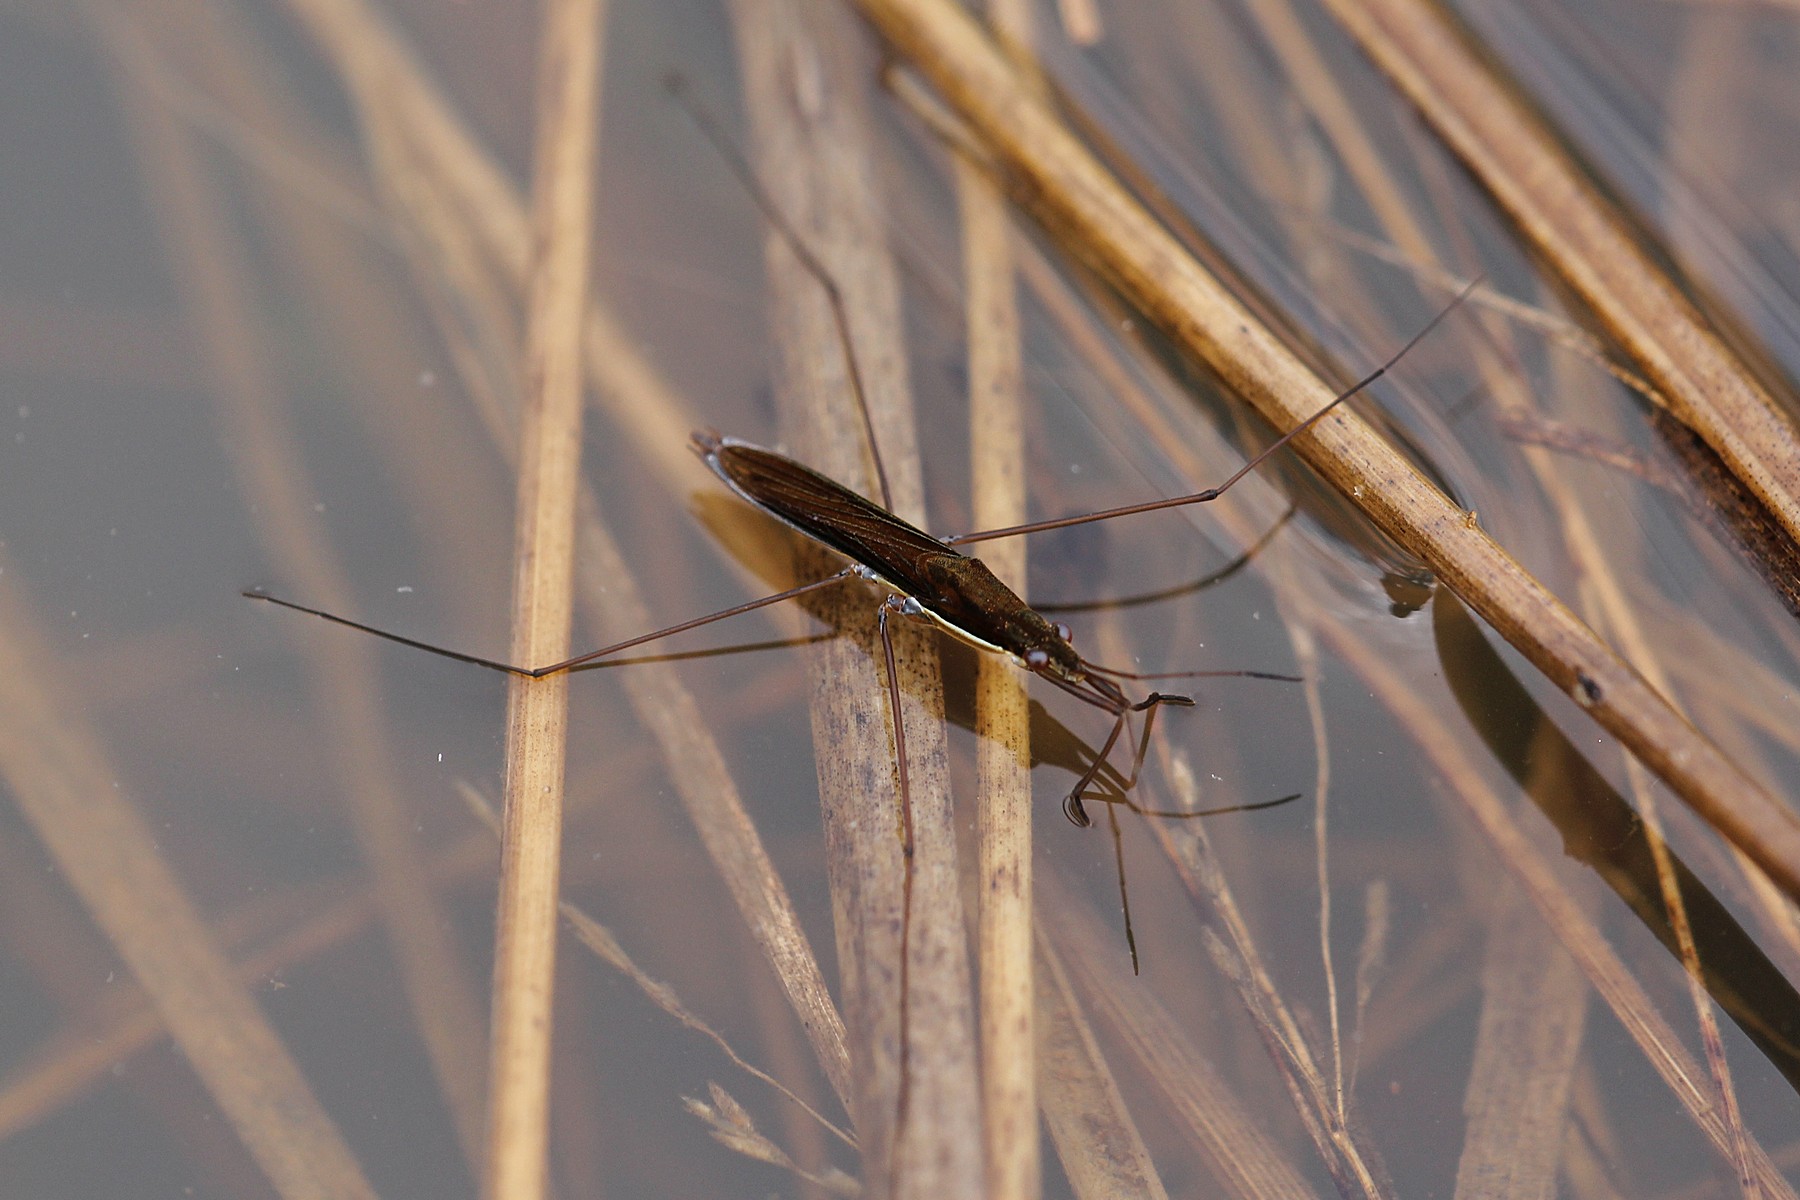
column 1319, row 1104
column 911, row 1021
column 1608, row 975
column 1608, row 605
column 1586, row 241
column 1603, row 595
column 1002, row 707
column 613, row 604
column 1371, row 965
column 218, row 292
column 396, row 93
column 456, row 198
column 1317, row 86
column 1617, row 987
column 702, row 778
column 1353, row 1161
column 1322, row 1102
column 60, row 1078
column 1066, row 189
column 625, row 384
column 1553, row 327
column 68, row 790
column 1533, row 1015
column 543, row 599
column 600, row 940
column 1319, row 1098
column 1706, row 1016
column 1600, row 587
column 1329, row 1095
column 1702, row 658
column 1195, row 1093
column 1081, row 21
column 732, row 1126
column 124, row 1022
column 447, row 1018
column 361, row 309
column 1097, row 1142
column 284, row 931
column 1335, row 1112
column 1423, row 985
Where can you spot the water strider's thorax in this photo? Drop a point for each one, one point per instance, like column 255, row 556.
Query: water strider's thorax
column 967, row 596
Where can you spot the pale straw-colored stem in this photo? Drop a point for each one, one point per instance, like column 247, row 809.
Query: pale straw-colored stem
column 911, row 1021
column 1584, row 238
column 537, row 709
column 1004, row 940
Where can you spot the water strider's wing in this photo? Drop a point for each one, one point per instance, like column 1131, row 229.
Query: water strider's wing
column 959, row 591
column 826, row 511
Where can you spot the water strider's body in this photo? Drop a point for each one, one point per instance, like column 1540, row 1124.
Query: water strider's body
column 954, row 590
column 930, row 577
column 938, row 582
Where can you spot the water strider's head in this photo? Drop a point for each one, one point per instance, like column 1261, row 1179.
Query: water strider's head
column 1042, row 646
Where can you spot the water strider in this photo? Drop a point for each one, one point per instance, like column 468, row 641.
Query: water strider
column 929, row 578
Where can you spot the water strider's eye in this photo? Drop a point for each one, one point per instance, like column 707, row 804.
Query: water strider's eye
column 1037, row 660
column 1064, row 632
